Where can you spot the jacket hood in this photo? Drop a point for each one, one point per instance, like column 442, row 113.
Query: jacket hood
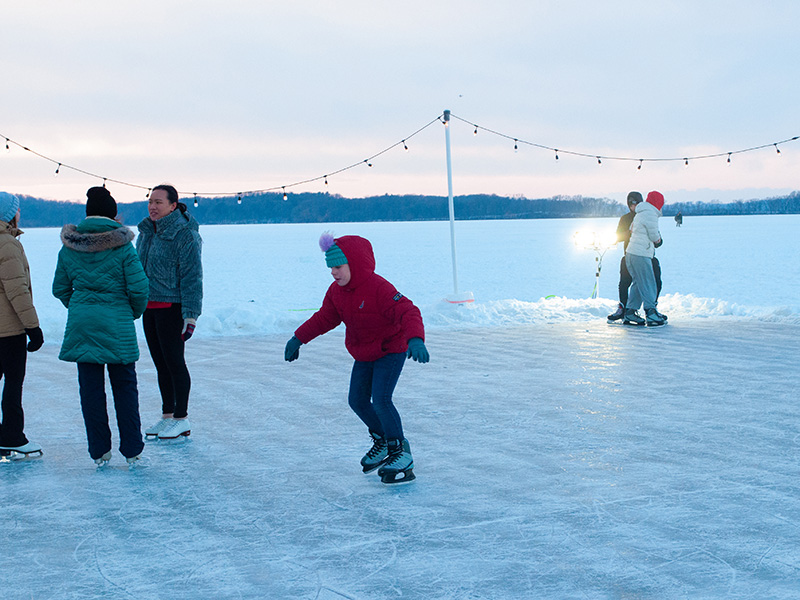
column 95, row 235
column 360, row 258
column 646, row 206
column 168, row 227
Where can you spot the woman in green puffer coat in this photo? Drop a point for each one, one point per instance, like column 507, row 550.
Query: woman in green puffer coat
column 99, row 278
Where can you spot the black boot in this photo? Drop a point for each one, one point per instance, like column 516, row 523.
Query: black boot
column 617, row 314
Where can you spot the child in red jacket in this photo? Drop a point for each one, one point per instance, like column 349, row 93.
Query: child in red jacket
column 383, row 327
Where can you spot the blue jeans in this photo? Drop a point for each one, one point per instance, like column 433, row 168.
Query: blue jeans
column 91, row 379
column 371, row 386
column 643, row 289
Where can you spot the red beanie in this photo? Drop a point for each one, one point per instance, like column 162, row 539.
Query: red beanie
column 656, row 199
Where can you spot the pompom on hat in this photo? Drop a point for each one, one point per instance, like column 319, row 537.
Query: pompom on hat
column 9, row 205
column 100, row 203
column 656, row 199
column 334, row 257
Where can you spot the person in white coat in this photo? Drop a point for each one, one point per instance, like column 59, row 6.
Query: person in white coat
column 645, row 238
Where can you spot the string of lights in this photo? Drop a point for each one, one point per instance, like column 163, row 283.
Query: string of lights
column 60, row 165
column 600, row 157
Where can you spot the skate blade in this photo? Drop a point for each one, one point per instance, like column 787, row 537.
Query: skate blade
column 632, row 324
column 371, row 469
column 399, row 477
column 185, row 434
column 24, row 456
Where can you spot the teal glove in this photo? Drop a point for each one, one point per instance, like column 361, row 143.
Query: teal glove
column 292, row 351
column 418, row 351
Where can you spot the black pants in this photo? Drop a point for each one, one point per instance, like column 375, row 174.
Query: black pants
column 162, row 330
column 13, row 357
column 91, row 379
column 625, row 280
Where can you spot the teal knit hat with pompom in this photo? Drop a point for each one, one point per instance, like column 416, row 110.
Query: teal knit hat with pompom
column 334, row 257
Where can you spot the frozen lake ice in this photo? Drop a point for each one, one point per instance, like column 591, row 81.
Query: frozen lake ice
column 556, row 456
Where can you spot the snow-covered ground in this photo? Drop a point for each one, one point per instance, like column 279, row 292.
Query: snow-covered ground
column 556, row 456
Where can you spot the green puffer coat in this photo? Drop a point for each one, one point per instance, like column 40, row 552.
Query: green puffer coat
column 100, row 280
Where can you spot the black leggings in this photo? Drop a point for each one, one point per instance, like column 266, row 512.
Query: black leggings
column 13, row 357
column 162, row 330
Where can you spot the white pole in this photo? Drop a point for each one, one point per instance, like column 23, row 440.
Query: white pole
column 450, row 201
column 463, row 297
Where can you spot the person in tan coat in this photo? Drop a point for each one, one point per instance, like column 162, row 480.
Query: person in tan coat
column 19, row 329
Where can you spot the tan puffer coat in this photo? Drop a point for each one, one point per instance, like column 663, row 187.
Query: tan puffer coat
column 16, row 299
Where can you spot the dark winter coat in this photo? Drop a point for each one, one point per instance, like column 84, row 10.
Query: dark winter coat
column 100, row 280
column 624, row 229
column 170, row 250
column 16, row 298
column 378, row 319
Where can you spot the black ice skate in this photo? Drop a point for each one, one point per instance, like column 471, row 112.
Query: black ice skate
column 617, row 314
column 375, row 456
column 399, row 467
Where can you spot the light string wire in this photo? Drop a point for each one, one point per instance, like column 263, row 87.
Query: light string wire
column 283, row 188
column 599, row 157
column 369, row 159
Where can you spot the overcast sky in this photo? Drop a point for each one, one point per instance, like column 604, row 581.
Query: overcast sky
column 233, row 95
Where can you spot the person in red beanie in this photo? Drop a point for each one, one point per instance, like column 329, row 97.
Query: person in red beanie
column 625, row 279
column 383, row 327
column 645, row 238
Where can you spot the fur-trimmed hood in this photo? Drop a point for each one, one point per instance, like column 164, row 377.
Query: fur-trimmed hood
column 96, row 234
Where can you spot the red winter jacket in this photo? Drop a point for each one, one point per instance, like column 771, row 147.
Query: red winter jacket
column 378, row 319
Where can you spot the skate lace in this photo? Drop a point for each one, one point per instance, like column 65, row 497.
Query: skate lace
column 394, row 457
column 377, row 447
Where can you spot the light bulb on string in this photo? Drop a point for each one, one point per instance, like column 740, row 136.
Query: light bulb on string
column 8, row 148
column 195, row 201
column 476, row 130
column 147, row 195
column 58, row 169
column 729, row 157
column 285, row 197
column 239, row 198
column 685, row 162
column 104, row 182
column 778, row 150
column 405, row 146
column 639, row 168
column 326, row 180
column 515, row 145
column 556, row 153
column 366, row 160
column 599, row 162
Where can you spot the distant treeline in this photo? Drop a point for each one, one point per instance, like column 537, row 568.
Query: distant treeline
column 322, row 208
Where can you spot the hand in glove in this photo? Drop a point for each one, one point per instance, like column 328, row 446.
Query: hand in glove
column 658, row 243
column 417, row 350
column 188, row 329
column 292, row 351
column 36, row 338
